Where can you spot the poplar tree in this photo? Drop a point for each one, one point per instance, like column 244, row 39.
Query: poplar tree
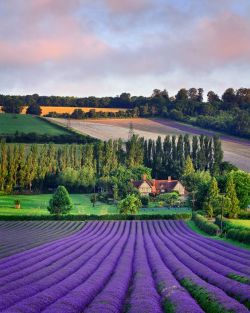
column 218, row 154
column 3, row 165
column 212, row 196
column 195, row 148
column 234, row 208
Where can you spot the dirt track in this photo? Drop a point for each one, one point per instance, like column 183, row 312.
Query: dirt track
column 236, row 151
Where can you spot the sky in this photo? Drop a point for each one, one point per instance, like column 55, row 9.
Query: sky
column 106, row 47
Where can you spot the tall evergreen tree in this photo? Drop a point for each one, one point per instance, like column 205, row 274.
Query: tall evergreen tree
column 3, row 165
column 231, row 194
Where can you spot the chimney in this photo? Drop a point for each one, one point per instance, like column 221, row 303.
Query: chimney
column 144, row 177
column 169, row 178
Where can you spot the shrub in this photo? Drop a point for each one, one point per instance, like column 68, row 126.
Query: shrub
column 145, row 200
column 130, row 205
column 242, row 235
column 108, row 217
column 203, row 224
column 245, row 215
column 60, row 203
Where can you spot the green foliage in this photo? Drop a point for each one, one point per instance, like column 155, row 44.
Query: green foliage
column 205, row 299
column 34, row 109
column 60, row 203
column 170, row 199
column 144, row 200
column 212, row 195
column 130, row 205
column 244, row 215
column 239, row 235
column 92, row 217
column 93, row 199
column 233, row 209
column 203, row 224
column 241, row 180
column 241, row 279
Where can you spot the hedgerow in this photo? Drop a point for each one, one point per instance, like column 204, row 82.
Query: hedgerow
column 203, row 224
column 108, row 217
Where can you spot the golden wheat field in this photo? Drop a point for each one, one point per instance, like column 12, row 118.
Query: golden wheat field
column 47, row 109
column 236, row 151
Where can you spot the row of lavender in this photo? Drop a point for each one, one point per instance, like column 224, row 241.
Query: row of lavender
column 18, row 236
column 144, row 266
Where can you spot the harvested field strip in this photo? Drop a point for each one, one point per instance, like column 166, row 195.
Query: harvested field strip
column 69, row 110
column 126, row 266
column 20, row 236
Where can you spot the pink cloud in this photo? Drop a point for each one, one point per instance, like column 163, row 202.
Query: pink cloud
column 41, row 50
column 127, row 6
column 226, row 37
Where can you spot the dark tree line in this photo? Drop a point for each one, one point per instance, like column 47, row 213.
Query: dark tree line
column 107, row 165
column 229, row 113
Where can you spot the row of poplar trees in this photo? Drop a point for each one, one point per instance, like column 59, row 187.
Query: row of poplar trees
column 39, row 166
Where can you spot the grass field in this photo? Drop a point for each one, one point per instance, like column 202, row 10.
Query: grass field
column 10, row 123
column 47, row 109
column 243, row 223
column 37, row 205
column 236, row 151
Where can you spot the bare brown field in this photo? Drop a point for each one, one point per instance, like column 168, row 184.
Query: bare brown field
column 236, row 151
column 47, row 109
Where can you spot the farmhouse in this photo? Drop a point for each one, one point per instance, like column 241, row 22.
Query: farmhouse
column 155, row 186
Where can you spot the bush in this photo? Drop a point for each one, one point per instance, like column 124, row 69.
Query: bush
column 203, row 224
column 245, row 215
column 60, row 203
column 130, row 205
column 145, row 200
column 242, row 235
column 108, row 217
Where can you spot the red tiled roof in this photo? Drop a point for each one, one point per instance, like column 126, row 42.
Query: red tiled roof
column 167, row 185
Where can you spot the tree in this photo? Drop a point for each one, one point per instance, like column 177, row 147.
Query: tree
column 60, row 203
column 78, row 114
column 34, row 109
column 231, row 194
column 171, row 199
column 93, row 199
column 189, row 167
column 130, row 205
column 212, row 195
column 242, row 186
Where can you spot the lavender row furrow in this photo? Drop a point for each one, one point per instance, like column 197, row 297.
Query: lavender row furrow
column 143, row 297
column 76, row 269
column 113, row 267
column 242, row 262
column 210, row 259
column 52, row 264
column 32, row 234
column 220, row 244
column 111, row 298
column 77, row 299
column 213, row 247
column 181, row 271
column 14, row 262
column 169, row 288
column 231, row 287
column 15, row 259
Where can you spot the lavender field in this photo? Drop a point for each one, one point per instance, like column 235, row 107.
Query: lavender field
column 137, row 267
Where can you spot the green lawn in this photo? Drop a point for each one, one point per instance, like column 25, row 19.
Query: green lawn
column 10, row 123
column 37, row 205
column 243, row 223
column 195, row 228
